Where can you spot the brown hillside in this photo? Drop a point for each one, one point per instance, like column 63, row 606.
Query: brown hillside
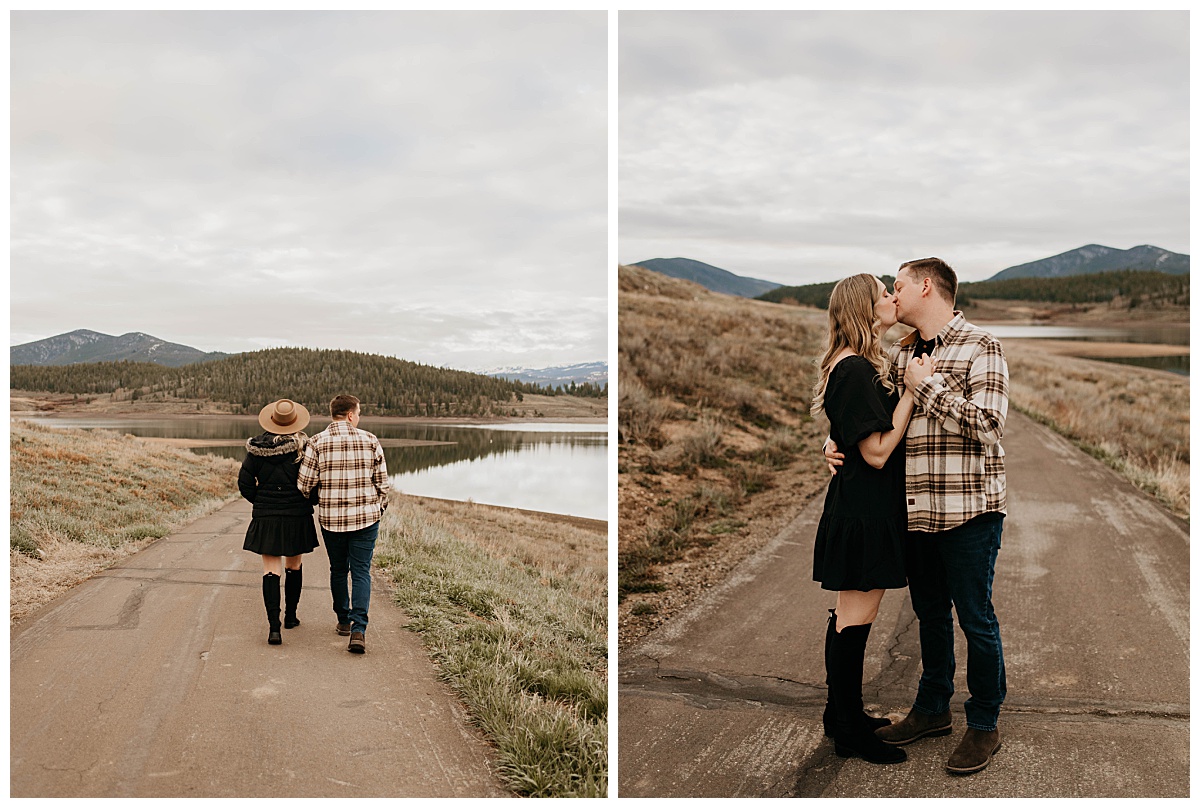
column 717, row 449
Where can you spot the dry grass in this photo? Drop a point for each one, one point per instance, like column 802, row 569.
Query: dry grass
column 512, row 607
column 80, row 501
column 1136, row 420
column 714, row 403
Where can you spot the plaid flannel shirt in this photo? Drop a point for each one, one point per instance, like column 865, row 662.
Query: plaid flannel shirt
column 348, row 463
column 954, row 464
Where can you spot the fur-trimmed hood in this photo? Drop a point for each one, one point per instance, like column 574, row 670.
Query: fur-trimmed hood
column 269, row 445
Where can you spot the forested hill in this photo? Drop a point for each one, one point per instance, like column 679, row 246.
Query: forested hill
column 1133, row 287
column 384, row 385
column 1129, row 287
column 813, row 294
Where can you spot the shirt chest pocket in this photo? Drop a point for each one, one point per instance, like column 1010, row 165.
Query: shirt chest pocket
column 954, row 374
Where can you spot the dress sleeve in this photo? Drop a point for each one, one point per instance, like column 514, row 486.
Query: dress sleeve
column 858, row 406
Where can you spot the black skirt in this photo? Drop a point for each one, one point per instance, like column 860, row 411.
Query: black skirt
column 281, row 535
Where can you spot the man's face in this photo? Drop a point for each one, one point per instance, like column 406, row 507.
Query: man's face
column 907, row 296
column 353, row 415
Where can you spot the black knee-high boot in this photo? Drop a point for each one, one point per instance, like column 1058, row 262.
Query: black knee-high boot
column 271, row 601
column 827, row 718
column 852, row 735
column 293, row 582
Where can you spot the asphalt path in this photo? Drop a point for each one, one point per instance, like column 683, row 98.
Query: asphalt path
column 1091, row 591
column 155, row 679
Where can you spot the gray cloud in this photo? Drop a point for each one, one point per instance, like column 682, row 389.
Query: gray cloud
column 803, row 146
column 427, row 185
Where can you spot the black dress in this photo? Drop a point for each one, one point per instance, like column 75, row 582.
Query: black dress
column 282, row 522
column 860, row 539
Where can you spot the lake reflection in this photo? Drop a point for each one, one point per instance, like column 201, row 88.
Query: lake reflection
column 559, row 468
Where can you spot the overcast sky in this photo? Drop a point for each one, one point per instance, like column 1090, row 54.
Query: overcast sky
column 800, row 147
column 431, row 186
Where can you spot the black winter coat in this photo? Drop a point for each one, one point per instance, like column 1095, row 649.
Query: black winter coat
column 268, row 477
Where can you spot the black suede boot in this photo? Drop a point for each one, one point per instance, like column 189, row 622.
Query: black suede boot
column 271, row 601
column 827, row 718
column 293, row 582
column 852, row 736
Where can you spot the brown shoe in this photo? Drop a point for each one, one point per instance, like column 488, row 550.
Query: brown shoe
column 915, row 725
column 343, row 629
column 974, row 751
column 358, row 643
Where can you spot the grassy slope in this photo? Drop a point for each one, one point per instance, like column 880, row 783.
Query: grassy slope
column 513, row 609
column 82, row 500
column 714, row 415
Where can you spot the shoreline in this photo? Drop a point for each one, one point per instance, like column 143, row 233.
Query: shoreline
column 585, row 522
column 417, row 420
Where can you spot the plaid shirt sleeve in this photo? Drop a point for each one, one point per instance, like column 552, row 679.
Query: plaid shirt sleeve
column 979, row 415
column 309, row 470
column 380, row 476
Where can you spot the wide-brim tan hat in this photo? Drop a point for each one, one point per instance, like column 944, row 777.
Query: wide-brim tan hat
column 283, row 417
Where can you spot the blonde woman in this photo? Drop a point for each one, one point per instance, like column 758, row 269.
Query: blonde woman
column 859, row 549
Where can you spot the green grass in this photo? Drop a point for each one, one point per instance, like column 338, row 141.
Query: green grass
column 520, row 634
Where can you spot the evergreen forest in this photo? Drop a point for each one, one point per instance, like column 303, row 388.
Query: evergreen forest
column 312, row 377
column 1130, row 287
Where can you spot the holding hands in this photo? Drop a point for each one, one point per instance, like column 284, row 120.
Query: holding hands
column 918, row 370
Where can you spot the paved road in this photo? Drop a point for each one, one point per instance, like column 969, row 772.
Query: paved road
column 154, row 679
column 1091, row 591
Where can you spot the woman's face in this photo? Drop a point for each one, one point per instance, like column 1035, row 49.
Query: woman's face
column 885, row 308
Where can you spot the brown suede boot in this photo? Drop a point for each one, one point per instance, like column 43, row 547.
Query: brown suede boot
column 974, row 751
column 915, row 725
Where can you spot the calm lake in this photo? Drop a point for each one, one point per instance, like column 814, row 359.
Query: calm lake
column 1154, row 334
column 558, row 468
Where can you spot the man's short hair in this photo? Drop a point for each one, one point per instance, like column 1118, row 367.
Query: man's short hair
column 938, row 271
column 342, row 405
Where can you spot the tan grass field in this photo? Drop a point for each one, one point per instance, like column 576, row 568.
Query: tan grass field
column 1136, row 420
column 81, row 501
column 716, row 440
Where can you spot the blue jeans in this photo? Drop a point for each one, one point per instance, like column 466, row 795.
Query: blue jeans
column 956, row 567
column 350, row 555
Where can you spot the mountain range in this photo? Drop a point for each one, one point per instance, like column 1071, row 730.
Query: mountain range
column 594, row 372
column 1087, row 260
column 708, row 276
column 1095, row 258
column 82, row 346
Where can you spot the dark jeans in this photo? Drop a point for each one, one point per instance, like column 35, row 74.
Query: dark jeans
column 350, row 555
column 956, row 567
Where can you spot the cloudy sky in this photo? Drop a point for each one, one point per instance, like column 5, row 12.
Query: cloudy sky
column 431, row 186
column 803, row 146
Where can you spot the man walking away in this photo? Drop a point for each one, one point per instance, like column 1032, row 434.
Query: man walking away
column 345, row 465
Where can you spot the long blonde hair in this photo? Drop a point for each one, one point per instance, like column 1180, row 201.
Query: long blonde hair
column 853, row 325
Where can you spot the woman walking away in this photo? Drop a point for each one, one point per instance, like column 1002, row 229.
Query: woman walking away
column 281, row 528
column 860, row 540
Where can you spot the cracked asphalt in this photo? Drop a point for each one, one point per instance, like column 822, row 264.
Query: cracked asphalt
column 154, row 679
column 1091, row 590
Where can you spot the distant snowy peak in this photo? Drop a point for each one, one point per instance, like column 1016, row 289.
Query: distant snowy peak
column 594, row 372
